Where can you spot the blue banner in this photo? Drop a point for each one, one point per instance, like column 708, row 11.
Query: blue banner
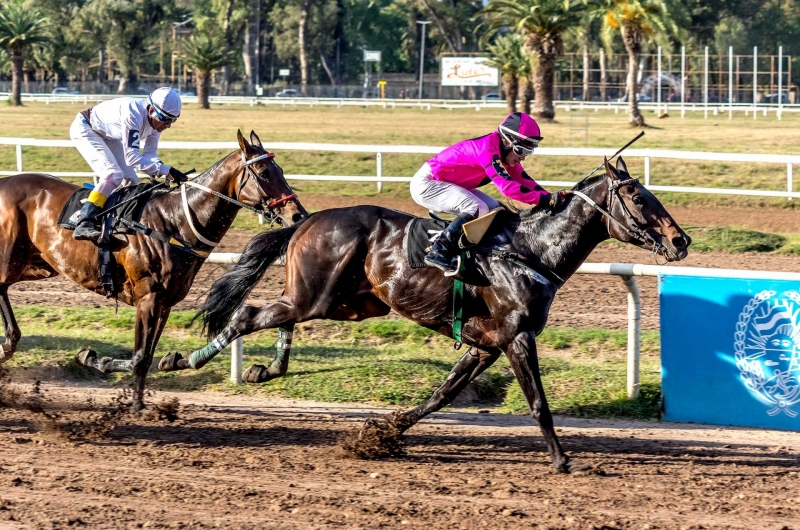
column 730, row 351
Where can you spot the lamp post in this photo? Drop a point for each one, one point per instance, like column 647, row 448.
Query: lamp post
column 422, row 54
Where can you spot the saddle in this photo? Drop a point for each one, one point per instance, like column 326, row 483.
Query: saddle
column 131, row 211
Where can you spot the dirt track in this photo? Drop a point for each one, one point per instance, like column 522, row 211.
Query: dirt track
column 241, row 462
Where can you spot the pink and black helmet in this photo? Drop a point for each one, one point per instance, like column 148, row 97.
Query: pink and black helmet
column 521, row 132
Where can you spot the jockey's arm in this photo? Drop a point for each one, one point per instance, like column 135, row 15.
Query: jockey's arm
column 517, row 185
column 147, row 162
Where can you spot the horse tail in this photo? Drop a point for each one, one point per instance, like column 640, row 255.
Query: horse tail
column 229, row 292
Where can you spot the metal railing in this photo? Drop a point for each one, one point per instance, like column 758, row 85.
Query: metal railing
column 379, row 178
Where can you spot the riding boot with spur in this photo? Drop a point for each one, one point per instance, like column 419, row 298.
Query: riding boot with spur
column 85, row 230
column 444, row 248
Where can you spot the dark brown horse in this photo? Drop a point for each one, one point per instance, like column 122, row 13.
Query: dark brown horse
column 152, row 275
column 349, row 264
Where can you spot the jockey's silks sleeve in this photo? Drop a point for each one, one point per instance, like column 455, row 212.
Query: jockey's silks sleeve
column 473, row 163
column 515, row 183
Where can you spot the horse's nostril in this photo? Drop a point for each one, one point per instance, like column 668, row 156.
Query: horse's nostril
column 296, row 218
column 679, row 242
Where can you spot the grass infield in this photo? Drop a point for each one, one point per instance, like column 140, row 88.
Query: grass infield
column 390, row 362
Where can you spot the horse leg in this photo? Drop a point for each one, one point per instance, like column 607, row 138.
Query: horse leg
column 13, row 333
column 471, row 365
column 281, row 314
column 151, row 317
column 524, row 362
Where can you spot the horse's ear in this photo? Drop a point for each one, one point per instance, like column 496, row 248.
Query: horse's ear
column 609, row 168
column 621, row 166
column 255, row 140
column 242, row 142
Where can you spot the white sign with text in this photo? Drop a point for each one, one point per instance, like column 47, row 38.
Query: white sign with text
column 468, row 71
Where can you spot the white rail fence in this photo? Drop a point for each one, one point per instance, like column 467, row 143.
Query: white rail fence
column 714, row 109
column 626, row 271
column 788, row 161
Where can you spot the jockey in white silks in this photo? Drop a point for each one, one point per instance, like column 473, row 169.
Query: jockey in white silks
column 110, row 135
column 447, row 182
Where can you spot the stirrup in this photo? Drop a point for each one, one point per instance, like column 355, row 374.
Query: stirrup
column 457, row 269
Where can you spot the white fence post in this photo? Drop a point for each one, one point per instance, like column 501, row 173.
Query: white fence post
column 780, row 81
column 647, row 171
column 19, row 158
column 237, row 352
column 683, row 80
column 789, row 178
column 380, row 172
column 705, row 83
column 755, row 80
column 730, row 82
column 634, row 335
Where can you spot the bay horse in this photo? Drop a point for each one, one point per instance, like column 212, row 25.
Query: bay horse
column 153, row 275
column 350, row 264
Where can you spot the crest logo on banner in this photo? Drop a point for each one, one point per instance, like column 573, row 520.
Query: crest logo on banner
column 767, row 349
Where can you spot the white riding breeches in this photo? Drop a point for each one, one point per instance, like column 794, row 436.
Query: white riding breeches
column 106, row 158
column 441, row 196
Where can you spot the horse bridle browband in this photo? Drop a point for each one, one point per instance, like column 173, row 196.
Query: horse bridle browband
column 636, row 231
column 265, row 210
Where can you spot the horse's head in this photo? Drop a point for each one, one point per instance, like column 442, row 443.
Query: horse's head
column 641, row 219
column 262, row 183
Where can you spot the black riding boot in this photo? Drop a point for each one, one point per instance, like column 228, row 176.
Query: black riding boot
column 85, row 230
column 443, row 250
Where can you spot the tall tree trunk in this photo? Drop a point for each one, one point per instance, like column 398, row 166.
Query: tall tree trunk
column 543, row 77
column 17, row 58
column 633, row 46
column 328, row 70
column 203, row 84
column 603, row 77
column 526, row 94
column 586, row 64
column 511, row 88
column 301, row 41
column 100, row 64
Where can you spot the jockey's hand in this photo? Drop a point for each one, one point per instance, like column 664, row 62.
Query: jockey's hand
column 553, row 201
column 175, row 175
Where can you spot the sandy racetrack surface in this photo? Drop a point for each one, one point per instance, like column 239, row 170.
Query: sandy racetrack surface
column 241, row 462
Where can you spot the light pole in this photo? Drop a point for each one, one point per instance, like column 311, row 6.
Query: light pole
column 422, row 54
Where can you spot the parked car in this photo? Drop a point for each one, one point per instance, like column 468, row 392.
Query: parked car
column 773, row 98
column 288, row 93
column 64, row 91
column 492, row 96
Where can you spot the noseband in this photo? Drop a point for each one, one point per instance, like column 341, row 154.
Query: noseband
column 633, row 228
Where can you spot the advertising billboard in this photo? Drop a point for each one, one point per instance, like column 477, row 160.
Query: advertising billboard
column 468, row 71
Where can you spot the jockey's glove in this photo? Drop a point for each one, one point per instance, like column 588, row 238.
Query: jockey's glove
column 553, row 201
column 176, row 175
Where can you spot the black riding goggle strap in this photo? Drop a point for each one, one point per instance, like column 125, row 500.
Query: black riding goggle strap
column 163, row 115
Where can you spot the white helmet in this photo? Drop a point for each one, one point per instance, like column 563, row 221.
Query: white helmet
column 166, row 103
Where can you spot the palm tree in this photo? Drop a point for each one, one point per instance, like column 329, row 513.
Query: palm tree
column 638, row 21
column 21, row 28
column 508, row 56
column 205, row 53
column 543, row 23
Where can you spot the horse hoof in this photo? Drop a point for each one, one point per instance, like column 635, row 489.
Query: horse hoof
column 87, row 357
column 256, row 374
column 171, row 362
column 580, row 470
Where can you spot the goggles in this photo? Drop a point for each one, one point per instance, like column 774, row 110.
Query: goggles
column 525, row 149
column 161, row 114
column 520, row 145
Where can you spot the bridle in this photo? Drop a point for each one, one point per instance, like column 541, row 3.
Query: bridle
column 266, row 208
column 633, row 227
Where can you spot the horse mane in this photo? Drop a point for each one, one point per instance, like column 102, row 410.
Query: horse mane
column 587, row 183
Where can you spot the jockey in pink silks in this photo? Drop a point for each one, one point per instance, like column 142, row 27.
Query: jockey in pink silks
column 447, row 182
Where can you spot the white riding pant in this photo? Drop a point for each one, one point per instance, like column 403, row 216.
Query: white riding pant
column 107, row 159
column 440, row 196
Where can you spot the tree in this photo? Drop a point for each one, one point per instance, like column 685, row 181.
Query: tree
column 205, row 53
column 638, row 21
column 508, row 56
column 543, row 23
column 21, row 28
